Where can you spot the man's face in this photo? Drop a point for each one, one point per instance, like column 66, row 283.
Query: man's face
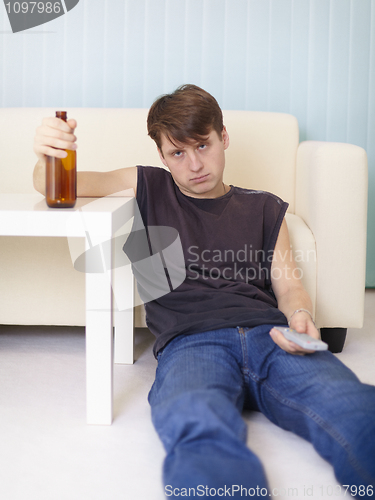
column 197, row 167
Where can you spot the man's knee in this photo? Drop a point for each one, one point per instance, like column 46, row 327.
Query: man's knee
column 197, row 414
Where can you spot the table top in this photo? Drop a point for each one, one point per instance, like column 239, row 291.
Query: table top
column 29, row 215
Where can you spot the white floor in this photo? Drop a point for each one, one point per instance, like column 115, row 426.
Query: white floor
column 47, row 452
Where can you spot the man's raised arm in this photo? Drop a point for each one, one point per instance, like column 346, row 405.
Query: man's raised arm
column 52, row 138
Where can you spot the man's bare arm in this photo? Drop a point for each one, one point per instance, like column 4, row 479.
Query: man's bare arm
column 93, row 184
column 52, row 138
column 290, row 294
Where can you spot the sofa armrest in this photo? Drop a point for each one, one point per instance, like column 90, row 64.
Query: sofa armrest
column 331, row 197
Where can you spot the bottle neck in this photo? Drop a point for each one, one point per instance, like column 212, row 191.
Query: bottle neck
column 62, row 115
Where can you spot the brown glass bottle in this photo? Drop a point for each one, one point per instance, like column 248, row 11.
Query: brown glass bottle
column 61, row 177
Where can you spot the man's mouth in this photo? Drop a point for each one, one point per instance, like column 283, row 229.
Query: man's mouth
column 201, row 178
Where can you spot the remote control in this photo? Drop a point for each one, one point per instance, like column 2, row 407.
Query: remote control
column 302, row 339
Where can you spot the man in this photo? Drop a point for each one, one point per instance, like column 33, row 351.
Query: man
column 216, row 344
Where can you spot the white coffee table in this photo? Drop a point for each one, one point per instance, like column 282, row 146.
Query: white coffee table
column 96, row 220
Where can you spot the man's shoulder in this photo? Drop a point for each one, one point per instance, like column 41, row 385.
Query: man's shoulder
column 154, row 182
column 153, row 171
column 257, row 193
column 153, row 176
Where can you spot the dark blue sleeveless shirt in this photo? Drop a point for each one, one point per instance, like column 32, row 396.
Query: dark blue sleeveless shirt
column 227, row 246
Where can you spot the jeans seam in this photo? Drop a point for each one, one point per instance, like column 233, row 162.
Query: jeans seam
column 319, row 421
column 245, row 369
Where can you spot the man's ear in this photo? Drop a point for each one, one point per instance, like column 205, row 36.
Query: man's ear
column 162, row 157
column 225, row 136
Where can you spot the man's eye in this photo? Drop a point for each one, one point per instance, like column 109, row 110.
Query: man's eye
column 177, row 154
column 203, row 146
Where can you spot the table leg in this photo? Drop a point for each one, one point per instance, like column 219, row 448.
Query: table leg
column 124, row 314
column 99, row 344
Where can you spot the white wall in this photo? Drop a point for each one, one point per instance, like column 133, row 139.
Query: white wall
column 312, row 58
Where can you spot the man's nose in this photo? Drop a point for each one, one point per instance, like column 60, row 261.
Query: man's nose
column 195, row 163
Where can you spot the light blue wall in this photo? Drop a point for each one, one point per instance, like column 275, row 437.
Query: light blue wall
column 312, row 58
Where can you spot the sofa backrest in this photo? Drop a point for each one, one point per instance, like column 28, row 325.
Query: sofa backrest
column 262, row 152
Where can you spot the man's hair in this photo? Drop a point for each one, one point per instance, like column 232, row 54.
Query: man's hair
column 188, row 114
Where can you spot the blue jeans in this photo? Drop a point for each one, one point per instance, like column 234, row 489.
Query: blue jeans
column 203, row 382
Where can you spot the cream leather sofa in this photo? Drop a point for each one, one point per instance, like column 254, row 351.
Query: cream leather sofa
column 324, row 183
